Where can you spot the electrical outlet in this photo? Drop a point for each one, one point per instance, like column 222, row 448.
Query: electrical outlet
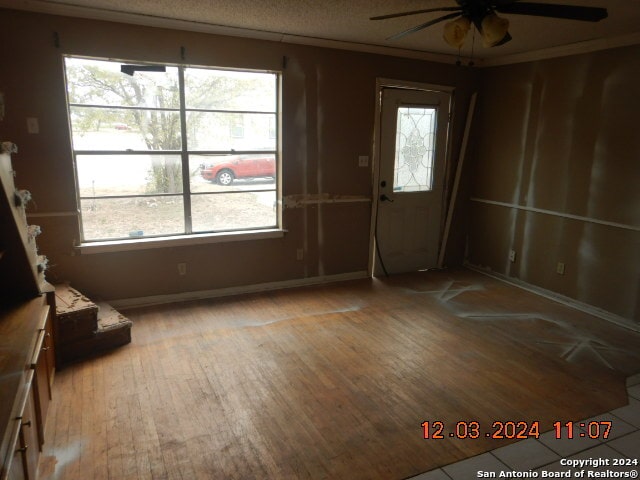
column 512, row 256
column 560, row 268
column 182, row 269
column 299, row 254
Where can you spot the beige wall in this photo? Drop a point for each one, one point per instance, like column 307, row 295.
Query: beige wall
column 555, row 135
column 328, row 120
column 561, row 135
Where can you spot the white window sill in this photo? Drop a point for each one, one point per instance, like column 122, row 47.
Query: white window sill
column 177, row 241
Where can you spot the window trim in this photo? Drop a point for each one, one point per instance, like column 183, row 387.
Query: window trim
column 148, row 243
column 188, row 237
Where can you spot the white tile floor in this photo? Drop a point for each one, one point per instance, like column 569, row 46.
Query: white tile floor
column 545, row 453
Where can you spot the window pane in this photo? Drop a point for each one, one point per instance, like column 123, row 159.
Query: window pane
column 415, row 134
column 118, row 129
column 219, row 173
column 109, row 175
column 110, row 218
column 229, row 90
column 228, row 211
column 136, row 190
column 100, row 82
column 230, row 131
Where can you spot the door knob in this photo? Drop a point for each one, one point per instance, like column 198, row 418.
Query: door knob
column 384, row 198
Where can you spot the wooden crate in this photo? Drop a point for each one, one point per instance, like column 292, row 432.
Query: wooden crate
column 76, row 315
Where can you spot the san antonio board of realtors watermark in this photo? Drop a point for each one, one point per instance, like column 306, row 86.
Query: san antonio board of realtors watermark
column 575, row 468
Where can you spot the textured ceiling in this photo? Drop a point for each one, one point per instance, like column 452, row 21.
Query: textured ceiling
column 347, row 21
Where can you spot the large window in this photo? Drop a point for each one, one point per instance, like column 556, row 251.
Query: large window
column 172, row 150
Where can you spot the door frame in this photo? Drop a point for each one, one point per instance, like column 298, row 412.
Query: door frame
column 382, row 83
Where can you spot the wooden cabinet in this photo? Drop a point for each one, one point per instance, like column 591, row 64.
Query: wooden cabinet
column 24, row 464
column 43, row 373
column 27, row 360
column 25, row 383
column 49, row 347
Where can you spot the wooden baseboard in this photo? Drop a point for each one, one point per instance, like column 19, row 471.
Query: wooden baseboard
column 571, row 302
column 127, row 303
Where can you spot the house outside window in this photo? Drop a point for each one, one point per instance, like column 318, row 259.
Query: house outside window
column 237, row 127
column 170, row 150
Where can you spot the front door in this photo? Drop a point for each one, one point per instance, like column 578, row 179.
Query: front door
column 413, row 142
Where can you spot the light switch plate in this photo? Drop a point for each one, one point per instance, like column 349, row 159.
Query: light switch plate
column 363, row 161
column 32, row 125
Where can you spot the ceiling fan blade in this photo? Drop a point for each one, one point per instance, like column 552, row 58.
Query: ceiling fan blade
column 415, row 12
column 424, row 25
column 496, row 3
column 571, row 12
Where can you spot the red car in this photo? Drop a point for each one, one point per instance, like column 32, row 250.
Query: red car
column 224, row 170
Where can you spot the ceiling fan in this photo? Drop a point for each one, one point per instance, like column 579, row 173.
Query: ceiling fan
column 483, row 14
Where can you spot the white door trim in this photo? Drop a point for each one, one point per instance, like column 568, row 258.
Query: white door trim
column 382, row 83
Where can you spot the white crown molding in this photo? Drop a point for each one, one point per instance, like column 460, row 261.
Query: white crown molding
column 105, row 14
column 366, row 48
column 577, row 48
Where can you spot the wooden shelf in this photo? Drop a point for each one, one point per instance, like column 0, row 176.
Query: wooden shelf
column 18, row 265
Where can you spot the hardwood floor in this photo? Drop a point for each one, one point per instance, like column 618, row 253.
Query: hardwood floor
column 331, row 382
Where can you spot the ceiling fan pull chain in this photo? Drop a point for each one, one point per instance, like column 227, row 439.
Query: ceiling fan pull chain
column 473, row 44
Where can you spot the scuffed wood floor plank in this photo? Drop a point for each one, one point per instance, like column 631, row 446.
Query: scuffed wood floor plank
column 330, row 382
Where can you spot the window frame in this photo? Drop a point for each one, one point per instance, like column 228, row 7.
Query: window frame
column 188, row 236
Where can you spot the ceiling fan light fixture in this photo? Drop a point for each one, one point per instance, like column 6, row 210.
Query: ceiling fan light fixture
column 494, row 30
column 455, row 31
